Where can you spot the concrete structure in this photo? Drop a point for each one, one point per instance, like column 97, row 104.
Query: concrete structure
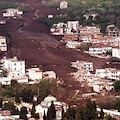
column 73, row 44
column 112, row 31
column 49, row 75
column 110, row 73
column 87, row 66
column 63, row 4
column 99, row 49
column 35, row 74
column 12, row 13
column 13, row 64
column 113, row 113
column 116, row 52
column 72, row 26
column 3, row 44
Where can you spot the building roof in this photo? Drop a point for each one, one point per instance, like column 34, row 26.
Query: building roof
column 99, row 45
column 49, row 99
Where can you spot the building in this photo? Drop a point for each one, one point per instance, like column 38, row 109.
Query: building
column 49, row 75
column 73, row 44
column 72, row 27
column 112, row 31
column 3, row 44
column 3, row 22
column 14, row 65
column 99, row 49
column 116, row 52
column 110, row 73
column 46, row 103
column 87, row 66
column 35, row 74
column 114, row 113
column 63, row 4
column 12, row 13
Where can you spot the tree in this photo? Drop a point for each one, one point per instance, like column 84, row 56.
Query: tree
column 101, row 113
column 17, row 98
column 90, row 112
column 44, row 116
column 26, row 95
column 108, row 117
column 51, row 114
column 10, row 106
column 33, row 114
column 23, row 113
column 0, row 102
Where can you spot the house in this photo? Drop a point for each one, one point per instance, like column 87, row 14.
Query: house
column 3, row 22
column 101, row 85
column 73, row 44
column 63, row 4
column 85, row 37
column 99, row 49
column 103, row 40
column 110, row 73
column 92, row 30
column 13, row 64
column 87, row 66
column 49, row 75
column 72, row 27
column 116, row 52
column 70, row 37
column 3, row 44
column 35, row 74
column 58, row 29
column 114, row 113
column 12, row 13
column 112, row 31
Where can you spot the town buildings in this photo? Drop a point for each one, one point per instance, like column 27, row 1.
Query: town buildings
column 99, row 49
column 12, row 13
column 112, row 31
column 63, row 4
column 116, row 52
column 3, row 44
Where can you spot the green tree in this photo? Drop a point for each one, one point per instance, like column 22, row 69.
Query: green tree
column 117, row 86
column 10, row 106
column 0, row 102
column 17, row 98
column 51, row 112
column 101, row 113
column 23, row 113
column 108, row 117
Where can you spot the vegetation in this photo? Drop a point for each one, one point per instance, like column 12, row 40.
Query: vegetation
column 51, row 114
column 115, row 59
column 10, row 106
column 23, row 113
column 26, row 92
column 107, row 11
column 85, row 46
column 108, row 117
column 79, row 113
column 6, row 5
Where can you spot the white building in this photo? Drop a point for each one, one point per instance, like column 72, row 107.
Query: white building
column 63, row 4
column 99, row 49
column 73, row 44
column 14, row 65
column 12, row 13
column 87, row 66
column 3, row 44
column 35, row 74
column 116, row 52
column 49, row 75
column 110, row 73
column 72, row 26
